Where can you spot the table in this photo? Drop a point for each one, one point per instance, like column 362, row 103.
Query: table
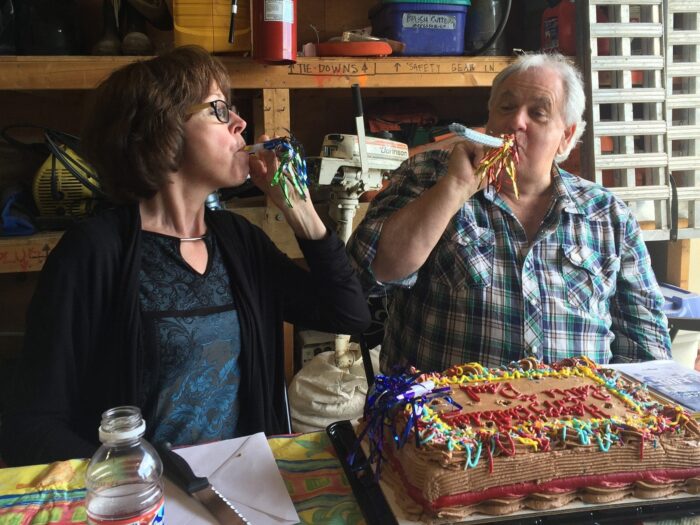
column 54, row 494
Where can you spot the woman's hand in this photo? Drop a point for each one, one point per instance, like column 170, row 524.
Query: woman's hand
column 263, row 165
column 302, row 216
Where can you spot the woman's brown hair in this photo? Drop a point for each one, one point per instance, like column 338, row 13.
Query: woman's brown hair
column 133, row 133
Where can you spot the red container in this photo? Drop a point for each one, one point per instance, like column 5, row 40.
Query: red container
column 275, row 31
column 558, row 29
column 558, row 32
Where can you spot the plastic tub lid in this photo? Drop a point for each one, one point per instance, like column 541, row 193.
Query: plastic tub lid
column 680, row 302
column 447, row 2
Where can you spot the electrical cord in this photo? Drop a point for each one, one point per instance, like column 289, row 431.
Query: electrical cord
column 73, row 164
column 35, row 147
column 496, row 34
column 52, row 145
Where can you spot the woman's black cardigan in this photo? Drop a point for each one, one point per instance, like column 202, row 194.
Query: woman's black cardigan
column 84, row 347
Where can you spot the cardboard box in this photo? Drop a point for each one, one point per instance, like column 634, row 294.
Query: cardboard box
column 206, row 23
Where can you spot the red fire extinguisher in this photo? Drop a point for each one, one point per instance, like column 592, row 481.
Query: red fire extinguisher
column 558, row 29
column 275, row 31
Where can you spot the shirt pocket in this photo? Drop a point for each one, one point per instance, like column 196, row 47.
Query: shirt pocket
column 590, row 277
column 465, row 260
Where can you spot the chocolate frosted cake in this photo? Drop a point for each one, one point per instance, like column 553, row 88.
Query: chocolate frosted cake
column 527, row 436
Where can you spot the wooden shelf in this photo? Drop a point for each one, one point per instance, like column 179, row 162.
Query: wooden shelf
column 26, row 254
column 28, row 73
column 85, row 72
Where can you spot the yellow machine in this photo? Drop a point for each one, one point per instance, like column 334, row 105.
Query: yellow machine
column 65, row 184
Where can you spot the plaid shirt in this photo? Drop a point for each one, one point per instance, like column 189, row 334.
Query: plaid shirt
column 584, row 286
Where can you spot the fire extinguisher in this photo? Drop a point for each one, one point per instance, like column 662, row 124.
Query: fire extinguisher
column 275, row 31
column 559, row 26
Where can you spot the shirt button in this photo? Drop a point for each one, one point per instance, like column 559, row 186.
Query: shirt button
column 533, row 349
column 533, row 301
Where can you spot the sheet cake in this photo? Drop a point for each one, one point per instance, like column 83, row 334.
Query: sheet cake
column 527, row 436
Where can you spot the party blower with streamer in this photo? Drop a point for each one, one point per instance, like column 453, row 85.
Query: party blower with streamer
column 501, row 157
column 292, row 166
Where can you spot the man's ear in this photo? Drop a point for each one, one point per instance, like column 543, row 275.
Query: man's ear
column 566, row 139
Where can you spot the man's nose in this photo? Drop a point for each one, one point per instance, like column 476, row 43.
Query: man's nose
column 518, row 120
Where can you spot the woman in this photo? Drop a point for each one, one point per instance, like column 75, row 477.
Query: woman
column 159, row 302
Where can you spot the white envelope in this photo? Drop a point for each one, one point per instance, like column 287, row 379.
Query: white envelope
column 243, row 470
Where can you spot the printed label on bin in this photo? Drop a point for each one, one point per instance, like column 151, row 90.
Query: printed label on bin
column 279, row 11
column 428, row 21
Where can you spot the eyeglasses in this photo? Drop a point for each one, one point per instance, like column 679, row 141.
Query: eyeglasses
column 221, row 108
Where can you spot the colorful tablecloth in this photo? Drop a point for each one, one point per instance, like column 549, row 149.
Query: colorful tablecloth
column 43, row 494
column 54, row 494
column 315, row 480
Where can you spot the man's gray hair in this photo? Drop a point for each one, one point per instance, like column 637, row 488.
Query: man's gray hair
column 574, row 96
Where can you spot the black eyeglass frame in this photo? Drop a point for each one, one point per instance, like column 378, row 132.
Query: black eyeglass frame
column 216, row 105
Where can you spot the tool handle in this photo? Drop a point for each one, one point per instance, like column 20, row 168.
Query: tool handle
column 234, row 11
column 357, row 99
column 179, row 471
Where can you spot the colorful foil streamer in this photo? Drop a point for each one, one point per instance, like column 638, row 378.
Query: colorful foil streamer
column 391, row 396
column 292, row 166
column 403, row 404
column 501, row 156
column 498, row 161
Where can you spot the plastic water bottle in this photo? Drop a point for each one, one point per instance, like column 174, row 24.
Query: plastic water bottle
column 123, row 479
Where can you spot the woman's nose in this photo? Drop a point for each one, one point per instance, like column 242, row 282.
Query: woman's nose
column 237, row 124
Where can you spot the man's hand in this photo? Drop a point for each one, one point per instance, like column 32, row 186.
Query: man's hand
column 411, row 233
column 464, row 160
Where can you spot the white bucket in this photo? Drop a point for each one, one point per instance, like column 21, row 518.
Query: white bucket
column 684, row 348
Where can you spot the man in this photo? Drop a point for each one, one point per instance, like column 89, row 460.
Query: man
column 480, row 275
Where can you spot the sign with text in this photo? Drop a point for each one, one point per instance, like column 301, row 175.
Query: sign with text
column 428, row 21
column 389, row 67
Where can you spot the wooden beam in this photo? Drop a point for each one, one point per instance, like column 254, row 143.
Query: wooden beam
column 83, row 72
column 678, row 263
column 57, row 72
column 272, row 222
column 276, row 114
column 26, row 254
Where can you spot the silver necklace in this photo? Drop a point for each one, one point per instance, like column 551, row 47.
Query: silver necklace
column 189, row 239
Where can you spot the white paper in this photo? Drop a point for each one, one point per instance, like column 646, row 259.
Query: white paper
column 243, row 470
column 667, row 377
